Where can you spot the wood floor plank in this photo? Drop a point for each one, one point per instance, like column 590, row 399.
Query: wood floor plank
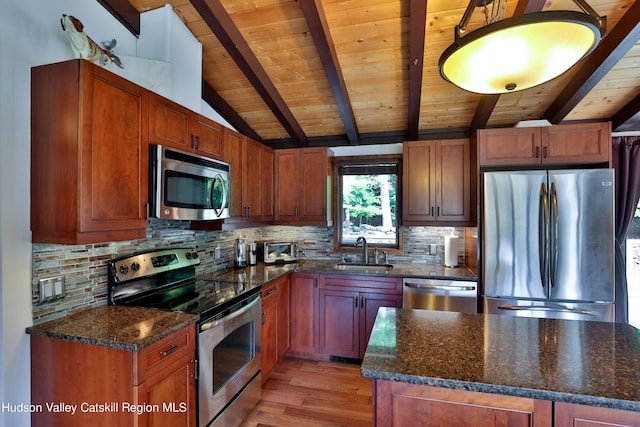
column 314, row 394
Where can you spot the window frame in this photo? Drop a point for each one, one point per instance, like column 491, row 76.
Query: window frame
column 337, row 196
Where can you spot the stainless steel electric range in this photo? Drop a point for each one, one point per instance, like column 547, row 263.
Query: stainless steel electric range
column 229, row 326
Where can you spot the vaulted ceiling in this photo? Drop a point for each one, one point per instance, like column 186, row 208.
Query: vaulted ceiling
column 349, row 72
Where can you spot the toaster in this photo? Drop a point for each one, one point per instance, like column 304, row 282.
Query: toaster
column 278, row 252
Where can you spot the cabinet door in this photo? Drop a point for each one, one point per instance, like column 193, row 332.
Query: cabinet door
column 173, row 390
column 453, row 181
column 509, row 146
column 569, row 414
column 169, row 123
column 304, row 313
column 339, row 323
column 269, row 348
column 287, row 185
column 582, row 143
column 312, row 203
column 418, row 182
column 400, row 404
column 252, row 178
column 233, row 148
column 114, row 161
column 284, row 337
column 369, row 305
column 208, row 137
column 267, row 191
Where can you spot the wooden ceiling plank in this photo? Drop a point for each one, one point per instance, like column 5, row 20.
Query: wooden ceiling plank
column 628, row 118
column 211, row 97
column 317, row 22
column 488, row 102
column 612, row 48
column 417, row 27
column 220, row 23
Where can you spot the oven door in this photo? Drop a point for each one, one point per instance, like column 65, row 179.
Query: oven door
column 229, row 366
column 190, row 187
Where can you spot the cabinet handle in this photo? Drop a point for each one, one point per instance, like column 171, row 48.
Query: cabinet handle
column 356, row 302
column 195, row 369
column 296, row 211
column 432, row 211
column 271, row 291
column 248, row 211
column 537, row 152
column 545, row 152
column 198, row 142
column 438, row 214
column 192, row 141
column 264, row 318
column 171, row 350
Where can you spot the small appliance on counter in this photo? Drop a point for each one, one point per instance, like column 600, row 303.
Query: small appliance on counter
column 451, row 250
column 240, row 253
column 278, row 252
column 253, row 253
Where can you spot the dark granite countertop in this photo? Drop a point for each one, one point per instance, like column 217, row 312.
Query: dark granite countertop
column 263, row 273
column 589, row 363
column 124, row 328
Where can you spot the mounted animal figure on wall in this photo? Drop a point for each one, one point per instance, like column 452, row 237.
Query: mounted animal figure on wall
column 84, row 47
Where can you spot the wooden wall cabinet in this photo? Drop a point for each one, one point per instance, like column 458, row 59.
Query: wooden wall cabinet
column 89, row 155
column 252, row 165
column 78, row 373
column 586, row 143
column 173, row 125
column 436, row 183
column 275, row 324
column 400, row 404
column 301, row 189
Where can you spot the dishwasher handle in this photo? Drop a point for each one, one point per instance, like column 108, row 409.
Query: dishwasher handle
column 432, row 286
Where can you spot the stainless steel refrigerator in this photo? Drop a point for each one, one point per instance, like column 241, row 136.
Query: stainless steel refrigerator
column 548, row 243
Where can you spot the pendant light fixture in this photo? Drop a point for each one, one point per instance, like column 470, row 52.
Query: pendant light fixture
column 517, row 53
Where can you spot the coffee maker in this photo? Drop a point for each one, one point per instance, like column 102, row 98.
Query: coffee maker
column 240, row 253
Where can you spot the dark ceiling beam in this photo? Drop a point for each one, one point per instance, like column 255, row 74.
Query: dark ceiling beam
column 417, row 25
column 488, row 102
column 124, row 12
column 612, row 48
column 628, row 118
column 317, row 22
column 213, row 98
column 220, row 23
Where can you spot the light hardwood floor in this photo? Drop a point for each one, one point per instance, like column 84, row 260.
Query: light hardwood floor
column 312, row 394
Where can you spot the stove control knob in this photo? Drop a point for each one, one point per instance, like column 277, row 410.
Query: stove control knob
column 135, row 266
column 124, row 269
column 189, row 255
column 195, row 255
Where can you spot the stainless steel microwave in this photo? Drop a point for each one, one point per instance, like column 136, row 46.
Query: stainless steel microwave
column 187, row 186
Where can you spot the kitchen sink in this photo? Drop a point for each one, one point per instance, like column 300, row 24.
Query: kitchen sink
column 365, row 268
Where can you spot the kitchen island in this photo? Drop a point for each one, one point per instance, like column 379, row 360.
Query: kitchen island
column 471, row 369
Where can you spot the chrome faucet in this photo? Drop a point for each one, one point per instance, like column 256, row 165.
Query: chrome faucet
column 361, row 241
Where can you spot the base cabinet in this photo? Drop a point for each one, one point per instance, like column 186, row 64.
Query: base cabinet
column 275, row 324
column 333, row 315
column 102, row 386
column 400, row 404
column 570, row 415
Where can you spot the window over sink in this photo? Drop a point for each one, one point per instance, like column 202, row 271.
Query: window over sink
column 367, row 201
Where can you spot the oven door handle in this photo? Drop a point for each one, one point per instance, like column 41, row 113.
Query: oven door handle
column 208, row 325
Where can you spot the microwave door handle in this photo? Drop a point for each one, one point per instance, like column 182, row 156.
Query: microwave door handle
column 219, row 211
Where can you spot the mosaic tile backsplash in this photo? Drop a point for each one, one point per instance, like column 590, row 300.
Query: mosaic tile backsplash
column 85, row 271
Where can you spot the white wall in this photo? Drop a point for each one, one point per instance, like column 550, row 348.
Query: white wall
column 30, row 34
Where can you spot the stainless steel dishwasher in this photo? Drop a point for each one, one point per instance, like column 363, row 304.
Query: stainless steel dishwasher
column 439, row 294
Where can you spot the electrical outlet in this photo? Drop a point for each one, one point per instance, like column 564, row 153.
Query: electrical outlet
column 51, row 288
column 216, row 252
column 433, row 249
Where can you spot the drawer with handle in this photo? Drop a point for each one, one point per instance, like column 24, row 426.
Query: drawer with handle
column 163, row 353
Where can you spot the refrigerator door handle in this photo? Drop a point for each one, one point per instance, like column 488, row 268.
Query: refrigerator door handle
column 543, row 244
column 553, row 231
column 558, row 308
